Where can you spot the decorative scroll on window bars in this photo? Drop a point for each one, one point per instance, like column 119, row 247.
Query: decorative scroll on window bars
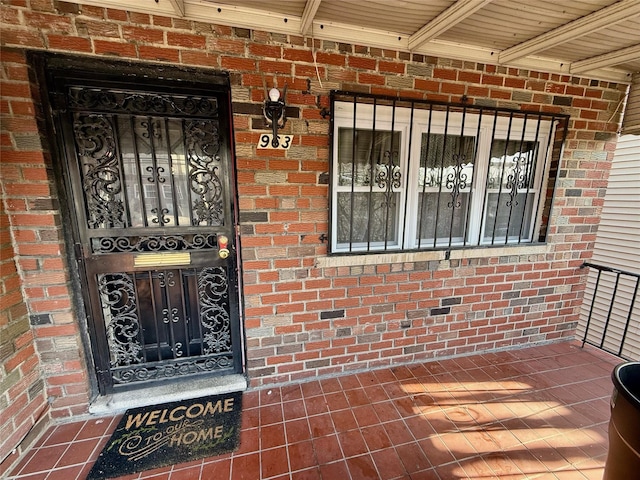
column 486, row 175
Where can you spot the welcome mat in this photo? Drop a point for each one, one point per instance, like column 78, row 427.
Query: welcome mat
column 176, row 432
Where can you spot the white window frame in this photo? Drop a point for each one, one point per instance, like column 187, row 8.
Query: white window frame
column 422, row 121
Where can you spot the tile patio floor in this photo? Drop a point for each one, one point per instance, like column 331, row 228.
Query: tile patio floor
column 535, row 413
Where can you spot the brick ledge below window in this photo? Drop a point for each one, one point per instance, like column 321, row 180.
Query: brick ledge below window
column 437, row 255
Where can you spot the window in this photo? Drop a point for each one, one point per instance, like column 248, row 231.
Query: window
column 416, row 175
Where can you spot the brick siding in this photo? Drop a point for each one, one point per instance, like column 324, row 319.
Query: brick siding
column 22, row 393
column 302, row 320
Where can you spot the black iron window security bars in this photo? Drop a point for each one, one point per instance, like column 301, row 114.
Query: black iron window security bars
column 417, row 175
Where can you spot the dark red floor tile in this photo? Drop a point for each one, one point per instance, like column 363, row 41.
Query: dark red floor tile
column 270, row 395
column 419, row 427
column 272, row 436
column 362, row 468
column 23, row 461
column 384, row 376
column 160, row 472
column 316, row 405
column 349, row 382
column 35, row 476
column 98, row 428
column 365, row 415
column 337, row 470
column 388, row 464
column 308, row 474
column 45, row 459
column 405, row 407
column 412, row 458
column 302, row 455
column 65, row 473
column 251, row 399
column 65, row 433
column 321, row 425
column 191, row 473
column 330, row 385
column 78, row 453
column 274, row 462
column 291, row 392
column 376, row 393
column 352, row 443
column 155, row 476
column 297, row 430
column 294, row 409
column 436, row 451
column 386, row 411
column 270, row 414
column 249, row 441
column 327, row 449
column 311, row 389
column 337, row 401
column 220, row 469
column 250, row 418
column 376, row 437
column 245, row 467
column 430, row 474
column 357, row 397
column 476, row 468
column 398, row 432
column 344, row 420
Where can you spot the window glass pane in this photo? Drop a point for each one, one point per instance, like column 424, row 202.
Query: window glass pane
column 509, row 161
column 439, row 156
column 428, row 210
column 372, row 150
column 353, row 219
column 508, row 214
column 444, row 180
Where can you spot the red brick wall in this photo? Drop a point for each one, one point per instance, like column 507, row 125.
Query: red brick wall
column 22, row 398
column 303, row 320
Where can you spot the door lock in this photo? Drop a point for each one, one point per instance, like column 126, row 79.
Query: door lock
column 223, row 242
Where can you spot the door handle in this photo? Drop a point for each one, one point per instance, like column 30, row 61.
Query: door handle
column 223, row 242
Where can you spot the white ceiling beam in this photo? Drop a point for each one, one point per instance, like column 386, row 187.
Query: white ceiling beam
column 206, row 11
column 178, row 6
column 606, row 60
column 309, row 13
column 447, row 19
column 605, row 17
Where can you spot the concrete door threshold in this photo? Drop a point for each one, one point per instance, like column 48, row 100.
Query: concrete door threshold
column 172, row 392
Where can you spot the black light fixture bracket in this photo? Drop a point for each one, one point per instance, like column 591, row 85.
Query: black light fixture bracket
column 274, row 109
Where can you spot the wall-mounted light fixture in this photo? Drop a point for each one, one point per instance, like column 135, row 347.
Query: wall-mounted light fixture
column 274, row 111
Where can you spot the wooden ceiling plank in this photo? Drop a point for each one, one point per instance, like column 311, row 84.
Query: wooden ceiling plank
column 606, row 60
column 447, row 19
column 309, row 13
column 605, row 17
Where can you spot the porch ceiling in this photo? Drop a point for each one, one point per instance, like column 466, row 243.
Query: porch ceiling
column 592, row 38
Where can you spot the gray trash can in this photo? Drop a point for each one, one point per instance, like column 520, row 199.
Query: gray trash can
column 623, row 458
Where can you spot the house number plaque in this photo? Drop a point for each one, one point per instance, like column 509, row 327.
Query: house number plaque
column 284, row 141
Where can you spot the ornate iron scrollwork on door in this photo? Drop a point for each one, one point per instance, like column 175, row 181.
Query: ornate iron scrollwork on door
column 119, row 307
column 203, row 147
column 213, row 291
column 101, row 180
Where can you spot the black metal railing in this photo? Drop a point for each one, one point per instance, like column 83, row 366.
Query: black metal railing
column 610, row 320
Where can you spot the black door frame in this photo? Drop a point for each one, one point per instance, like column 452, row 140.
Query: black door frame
column 52, row 69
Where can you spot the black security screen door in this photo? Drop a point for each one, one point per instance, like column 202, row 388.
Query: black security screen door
column 149, row 169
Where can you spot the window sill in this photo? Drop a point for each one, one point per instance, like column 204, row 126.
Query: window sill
column 434, row 255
